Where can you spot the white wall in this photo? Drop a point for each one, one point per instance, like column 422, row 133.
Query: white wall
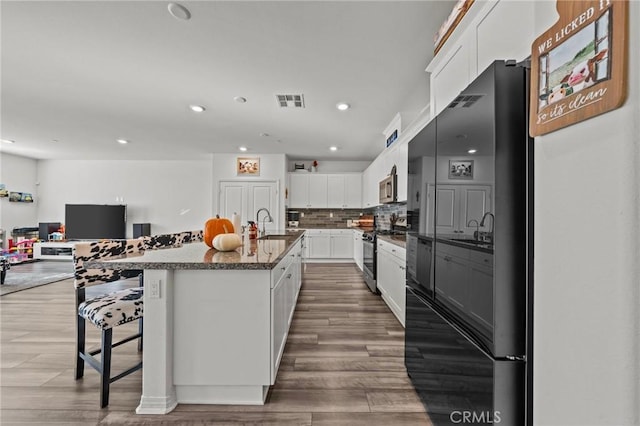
column 171, row 195
column 331, row 166
column 587, row 263
column 19, row 175
column 272, row 167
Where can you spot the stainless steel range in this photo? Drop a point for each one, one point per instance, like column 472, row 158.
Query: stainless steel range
column 369, row 260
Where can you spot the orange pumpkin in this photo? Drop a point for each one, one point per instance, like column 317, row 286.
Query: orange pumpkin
column 214, row 226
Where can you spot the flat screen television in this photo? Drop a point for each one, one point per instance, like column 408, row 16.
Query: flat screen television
column 95, row 221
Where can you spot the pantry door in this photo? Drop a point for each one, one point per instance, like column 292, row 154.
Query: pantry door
column 246, row 198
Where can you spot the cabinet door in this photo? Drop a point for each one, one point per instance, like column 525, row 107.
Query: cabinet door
column 298, row 190
column 447, row 209
column 341, row 247
column 358, row 251
column 353, row 191
column 366, row 188
column 451, row 280
column 279, row 323
column 475, row 201
column 319, row 246
column 401, row 157
column 335, row 191
column 481, row 296
column 317, row 191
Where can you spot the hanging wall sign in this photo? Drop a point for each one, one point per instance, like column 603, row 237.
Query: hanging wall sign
column 579, row 65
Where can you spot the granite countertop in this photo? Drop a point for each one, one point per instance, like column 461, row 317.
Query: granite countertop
column 398, row 240
column 262, row 254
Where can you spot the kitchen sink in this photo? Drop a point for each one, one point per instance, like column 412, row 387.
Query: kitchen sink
column 277, row 237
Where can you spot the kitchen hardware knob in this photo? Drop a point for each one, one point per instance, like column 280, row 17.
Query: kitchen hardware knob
column 486, row 261
column 288, row 276
column 283, row 268
column 447, row 258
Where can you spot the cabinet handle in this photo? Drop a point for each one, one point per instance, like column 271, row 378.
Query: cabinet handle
column 393, row 250
column 402, row 267
column 283, row 268
column 288, row 276
column 293, row 255
column 447, row 258
column 486, row 261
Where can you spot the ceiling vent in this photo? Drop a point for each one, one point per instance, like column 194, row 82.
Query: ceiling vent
column 290, row 101
column 464, row 101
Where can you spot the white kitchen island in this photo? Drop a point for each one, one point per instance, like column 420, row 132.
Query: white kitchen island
column 215, row 323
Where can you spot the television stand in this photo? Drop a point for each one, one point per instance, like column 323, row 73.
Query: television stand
column 53, row 250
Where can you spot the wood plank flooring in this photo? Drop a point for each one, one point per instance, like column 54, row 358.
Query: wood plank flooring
column 343, row 364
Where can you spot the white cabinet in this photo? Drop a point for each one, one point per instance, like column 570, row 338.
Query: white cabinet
column 286, row 282
column 316, row 190
column 391, row 276
column 341, row 244
column 358, row 252
column 307, row 190
column 333, row 244
column 319, row 244
column 374, row 174
column 344, row 191
column 459, row 204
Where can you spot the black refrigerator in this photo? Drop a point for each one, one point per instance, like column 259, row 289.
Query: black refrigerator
column 468, row 334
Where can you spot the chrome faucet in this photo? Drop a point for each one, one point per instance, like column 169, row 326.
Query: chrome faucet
column 493, row 221
column 476, row 235
column 268, row 217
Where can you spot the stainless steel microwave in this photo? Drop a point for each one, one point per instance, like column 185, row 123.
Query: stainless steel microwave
column 388, row 192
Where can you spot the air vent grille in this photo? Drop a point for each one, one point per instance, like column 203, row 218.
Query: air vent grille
column 290, row 101
column 464, row 101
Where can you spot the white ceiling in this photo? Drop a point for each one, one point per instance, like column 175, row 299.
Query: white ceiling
column 85, row 73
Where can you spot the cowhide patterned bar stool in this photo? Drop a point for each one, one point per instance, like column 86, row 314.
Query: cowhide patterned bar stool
column 106, row 311
column 175, row 240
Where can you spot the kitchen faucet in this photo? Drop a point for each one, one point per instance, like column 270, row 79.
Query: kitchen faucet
column 493, row 221
column 263, row 219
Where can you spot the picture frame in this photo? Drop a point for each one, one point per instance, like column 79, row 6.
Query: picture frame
column 461, row 169
column 248, row 166
column 579, row 65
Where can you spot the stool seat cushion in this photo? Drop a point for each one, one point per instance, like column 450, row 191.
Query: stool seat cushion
column 113, row 309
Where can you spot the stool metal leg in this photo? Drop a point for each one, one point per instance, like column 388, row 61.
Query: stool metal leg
column 140, row 328
column 80, row 346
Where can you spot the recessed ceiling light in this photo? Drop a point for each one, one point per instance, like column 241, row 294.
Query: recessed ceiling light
column 178, row 11
column 122, row 141
column 197, row 108
column 342, row 106
column 472, row 151
column 8, row 141
column 240, row 99
column 243, row 148
column 54, row 140
column 264, row 135
column 333, row 148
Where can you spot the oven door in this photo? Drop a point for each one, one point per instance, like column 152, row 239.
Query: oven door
column 369, row 264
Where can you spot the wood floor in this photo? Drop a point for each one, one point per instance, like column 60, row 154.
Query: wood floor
column 342, row 365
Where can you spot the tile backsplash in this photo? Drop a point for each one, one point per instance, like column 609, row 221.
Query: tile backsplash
column 383, row 212
column 327, row 218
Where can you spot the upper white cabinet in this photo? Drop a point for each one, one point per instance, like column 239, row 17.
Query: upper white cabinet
column 307, row 190
column 374, row 174
column 320, row 191
column 344, row 191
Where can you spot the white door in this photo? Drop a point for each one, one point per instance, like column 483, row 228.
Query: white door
column 475, row 202
column 245, row 198
column 233, row 199
column 263, row 194
column 447, row 220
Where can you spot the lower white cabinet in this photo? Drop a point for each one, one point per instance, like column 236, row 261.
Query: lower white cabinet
column 391, row 276
column 286, row 282
column 334, row 244
column 358, row 251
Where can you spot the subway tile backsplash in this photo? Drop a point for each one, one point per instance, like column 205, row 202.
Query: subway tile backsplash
column 321, row 218
column 383, row 212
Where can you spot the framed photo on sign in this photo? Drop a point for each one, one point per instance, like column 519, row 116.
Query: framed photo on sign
column 578, row 66
column 248, row 166
column 460, row 169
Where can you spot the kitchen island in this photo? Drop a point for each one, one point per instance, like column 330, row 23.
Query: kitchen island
column 215, row 323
